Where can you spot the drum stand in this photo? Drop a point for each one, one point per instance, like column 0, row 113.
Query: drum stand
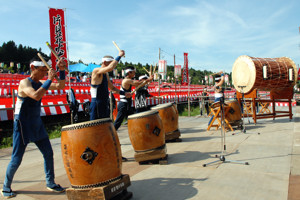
column 243, row 128
column 223, row 144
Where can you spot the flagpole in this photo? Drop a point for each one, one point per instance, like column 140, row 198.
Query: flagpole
column 67, row 45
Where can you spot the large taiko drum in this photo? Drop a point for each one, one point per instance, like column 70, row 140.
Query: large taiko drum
column 91, row 153
column 146, row 131
column 263, row 73
column 169, row 115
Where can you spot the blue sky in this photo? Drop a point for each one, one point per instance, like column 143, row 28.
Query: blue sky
column 214, row 33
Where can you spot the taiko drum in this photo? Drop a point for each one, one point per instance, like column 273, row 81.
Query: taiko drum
column 91, row 153
column 146, row 131
column 250, row 73
column 169, row 116
column 234, row 114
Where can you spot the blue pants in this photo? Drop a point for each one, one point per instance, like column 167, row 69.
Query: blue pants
column 216, row 100
column 123, row 112
column 99, row 109
column 19, row 147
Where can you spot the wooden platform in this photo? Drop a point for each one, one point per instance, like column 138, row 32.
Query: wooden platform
column 113, row 191
column 172, row 136
column 156, row 154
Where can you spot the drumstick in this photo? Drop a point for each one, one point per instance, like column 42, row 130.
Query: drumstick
column 150, row 70
column 139, row 86
column 146, row 70
column 117, row 46
column 54, row 53
column 46, row 64
column 154, row 69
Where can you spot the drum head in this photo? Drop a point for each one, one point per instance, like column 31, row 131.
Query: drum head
column 143, row 114
column 85, row 124
column 243, row 74
column 162, row 106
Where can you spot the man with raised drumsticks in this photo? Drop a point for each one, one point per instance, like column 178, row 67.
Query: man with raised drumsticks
column 219, row 80
column 28, row 126
column 100, row 83
column 124, row 106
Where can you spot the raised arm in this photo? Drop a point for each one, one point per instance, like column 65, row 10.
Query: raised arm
column 111, row 66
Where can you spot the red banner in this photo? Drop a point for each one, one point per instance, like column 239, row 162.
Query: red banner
column 299, row 74
column 185, row 70
column 57, row 34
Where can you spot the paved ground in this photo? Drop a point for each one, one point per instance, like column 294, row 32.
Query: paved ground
column 273, row 155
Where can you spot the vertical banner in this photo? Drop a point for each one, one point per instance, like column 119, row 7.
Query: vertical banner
column 211, row 80
column 226, row 78
column 177, row 70
column 115, row 72
column 206, row 79
column 299, row 74
column 185, row 70
column 162, row 68
column 57, row 34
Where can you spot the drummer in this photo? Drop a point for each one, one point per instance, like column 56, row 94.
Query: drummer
column 219, row 80
column 124, row 106
column 28, row 125
column 141, row 96
column 100, row 82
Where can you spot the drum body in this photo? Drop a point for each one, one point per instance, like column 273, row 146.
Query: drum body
column 169, row 117
column 91, row 153
column 234, row 114
column 263, row 73
column 146, row 131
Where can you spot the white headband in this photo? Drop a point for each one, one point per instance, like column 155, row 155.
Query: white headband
column 107, row 59
column 217, row 78
column 37, row 64
column 142, row 77
column 129, row 70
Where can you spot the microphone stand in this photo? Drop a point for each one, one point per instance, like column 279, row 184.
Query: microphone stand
column 223, row 142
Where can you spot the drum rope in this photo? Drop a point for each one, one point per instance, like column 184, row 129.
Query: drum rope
column 157, row 148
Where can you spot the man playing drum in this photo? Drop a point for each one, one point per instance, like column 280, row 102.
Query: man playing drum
column 100, row 83
column 28, row 126
column 219, row 80
column 124, row 106
column 141, row 96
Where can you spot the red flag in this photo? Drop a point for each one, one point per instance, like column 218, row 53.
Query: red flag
column 185, row 70
column 57, row 34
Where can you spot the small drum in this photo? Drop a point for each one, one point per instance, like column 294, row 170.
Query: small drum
column 146, row 131
column 169, row 117
column 234, row 114
column 263, row 73
column 91, row 153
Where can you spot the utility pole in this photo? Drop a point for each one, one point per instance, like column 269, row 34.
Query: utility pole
column 175, row 81
column 158, row 76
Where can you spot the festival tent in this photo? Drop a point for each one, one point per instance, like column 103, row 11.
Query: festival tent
column 91, row 67
column 79, row 67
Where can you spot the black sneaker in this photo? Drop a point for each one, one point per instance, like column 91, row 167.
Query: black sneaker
column 7, row 194
column 57, row 188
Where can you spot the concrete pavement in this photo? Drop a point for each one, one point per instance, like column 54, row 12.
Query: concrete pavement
column 273, row 155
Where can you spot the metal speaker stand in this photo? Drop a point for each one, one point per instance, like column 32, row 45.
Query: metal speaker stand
column 223, row 141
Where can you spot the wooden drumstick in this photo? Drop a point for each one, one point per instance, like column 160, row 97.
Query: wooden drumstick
column 150, row 70
column 46, row 64
column 146, row 71
column 117, row 46
column 54, row 53
column 139, row 86
column 154, row 69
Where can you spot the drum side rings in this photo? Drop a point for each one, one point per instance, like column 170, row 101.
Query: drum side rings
column 101, row 184
column 81, row 126
column 157, row 148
